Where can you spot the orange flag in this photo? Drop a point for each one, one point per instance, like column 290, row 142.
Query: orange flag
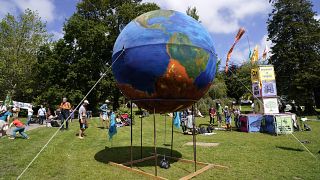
column 236, row 40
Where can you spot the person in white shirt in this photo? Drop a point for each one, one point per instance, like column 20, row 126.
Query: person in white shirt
column 42, row 114
column 83, row 118
column 30, row 113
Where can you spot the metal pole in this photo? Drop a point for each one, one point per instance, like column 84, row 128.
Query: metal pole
column 194, row 140
column 131, row 153
column 141, row 137
column 155, row 142
column 171, row 138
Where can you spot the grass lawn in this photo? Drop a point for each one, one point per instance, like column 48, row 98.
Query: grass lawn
column 248, row 155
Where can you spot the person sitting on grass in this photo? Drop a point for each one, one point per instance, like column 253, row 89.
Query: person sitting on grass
column 20, row 127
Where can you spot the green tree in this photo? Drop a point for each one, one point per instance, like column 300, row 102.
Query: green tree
column 295, row 34
column 20, row 40
column 238, row 81
column 85, row 51
column 193, row 13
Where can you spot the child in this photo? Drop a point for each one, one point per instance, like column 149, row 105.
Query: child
column 20, row 127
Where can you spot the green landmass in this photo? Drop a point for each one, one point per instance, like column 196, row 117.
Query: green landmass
column 181, row 48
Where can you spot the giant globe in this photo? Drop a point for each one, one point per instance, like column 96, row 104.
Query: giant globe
column 164, row 61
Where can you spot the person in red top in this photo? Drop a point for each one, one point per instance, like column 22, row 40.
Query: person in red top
column 20, row 127
column 212, row 113
column 65, row 107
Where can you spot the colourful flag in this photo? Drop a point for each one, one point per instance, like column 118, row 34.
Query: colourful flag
column 113, row 127
column 236, row 40
column 176, row 120
column 265, row 52
column 255, row 55
column 8, row 102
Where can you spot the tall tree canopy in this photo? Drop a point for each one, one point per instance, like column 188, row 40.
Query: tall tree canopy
column 238, row 81
column 295, row 33
column 20, row 41
column 84, row 53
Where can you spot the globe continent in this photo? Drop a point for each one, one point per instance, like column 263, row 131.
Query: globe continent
column 164, row 61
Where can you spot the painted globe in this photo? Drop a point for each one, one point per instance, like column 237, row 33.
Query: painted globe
column 164, row 60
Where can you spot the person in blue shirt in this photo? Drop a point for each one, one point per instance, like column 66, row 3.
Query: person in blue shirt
column 5, row 120
column 105, row 122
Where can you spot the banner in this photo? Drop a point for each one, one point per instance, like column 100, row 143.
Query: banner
column 266, row 73
column 269, row 89
column 22, row 105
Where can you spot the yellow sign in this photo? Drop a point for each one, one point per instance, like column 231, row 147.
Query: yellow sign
column 266, row 73
column 254, row 75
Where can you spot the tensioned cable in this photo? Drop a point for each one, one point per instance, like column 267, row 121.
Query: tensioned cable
column 102, row 76
column 262, row 104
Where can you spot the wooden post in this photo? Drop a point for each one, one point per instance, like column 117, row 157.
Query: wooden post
column 131, row 153
column 194, row 140
column 155, row 142
column 141, row 137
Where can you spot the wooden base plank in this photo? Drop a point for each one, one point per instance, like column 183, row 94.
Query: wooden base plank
column 137, row 171
column 209, row 166
column 138, row 160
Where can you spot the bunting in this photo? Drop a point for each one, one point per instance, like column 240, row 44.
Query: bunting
column 265, row 52
column 236, row 40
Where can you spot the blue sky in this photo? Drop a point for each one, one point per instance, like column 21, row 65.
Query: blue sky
column 222, row 19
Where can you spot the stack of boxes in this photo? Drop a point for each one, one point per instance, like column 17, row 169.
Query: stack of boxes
column 267, row 118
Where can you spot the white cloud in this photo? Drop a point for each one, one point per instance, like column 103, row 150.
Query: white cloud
column 45, row 8
column 317, row 17
column 219, row 16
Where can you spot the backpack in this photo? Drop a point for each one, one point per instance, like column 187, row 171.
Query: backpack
column 164, row 163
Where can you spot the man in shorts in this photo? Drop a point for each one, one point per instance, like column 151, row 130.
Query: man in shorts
column 83, row 118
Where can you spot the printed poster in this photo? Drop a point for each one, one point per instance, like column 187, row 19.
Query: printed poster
column 254, row 75
column 269, row 89
column 256, row 90
column 270, row 105
column 266, row 73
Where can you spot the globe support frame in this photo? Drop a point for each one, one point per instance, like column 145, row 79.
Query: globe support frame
column 154, row 155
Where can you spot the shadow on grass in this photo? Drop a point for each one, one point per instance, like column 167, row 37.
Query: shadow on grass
column 289, row 148
column 122, row 154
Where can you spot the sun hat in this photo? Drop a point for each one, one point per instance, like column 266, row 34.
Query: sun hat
column 86, row 101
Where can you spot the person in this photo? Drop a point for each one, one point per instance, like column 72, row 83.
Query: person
column 104, row 114
column 20, row 127
column 65, row 112
column 72, row 113
column 5, row 120
column 236, row 113
column 30, row 113
column 3, row 108
column 252, row 107
column 83, row 118
column 212, row 113
column 228, row 117
column 219, row 114
column 42, row 114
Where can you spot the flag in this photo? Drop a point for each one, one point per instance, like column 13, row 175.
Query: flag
column 113, row 127
column 265, row 52
column 236, row 40
column 176, row 120
column 255, row 55
column 250, row 54
column 8, row 102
